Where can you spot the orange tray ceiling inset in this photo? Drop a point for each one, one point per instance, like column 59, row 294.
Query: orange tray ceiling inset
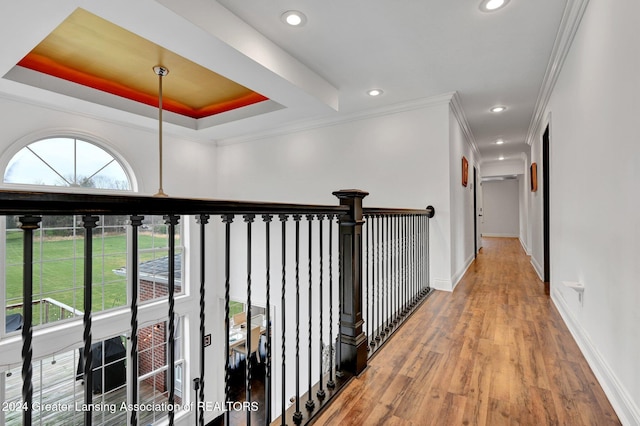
column 93, row 52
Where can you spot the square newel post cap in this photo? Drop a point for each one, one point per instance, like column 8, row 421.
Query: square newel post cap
column 344, row 194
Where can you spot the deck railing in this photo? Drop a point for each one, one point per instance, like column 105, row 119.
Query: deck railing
column 341, row 287
column 51, row 310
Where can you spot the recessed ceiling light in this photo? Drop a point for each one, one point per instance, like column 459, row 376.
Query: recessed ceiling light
column 375, row 92
column 498, row 108
column 501, row 158
column 492, row 5
column 295, row 18
column 499, row 142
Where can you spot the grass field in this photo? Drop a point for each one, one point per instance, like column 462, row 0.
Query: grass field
column 59, row 270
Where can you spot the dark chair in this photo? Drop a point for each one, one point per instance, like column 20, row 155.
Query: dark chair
column 13, row 323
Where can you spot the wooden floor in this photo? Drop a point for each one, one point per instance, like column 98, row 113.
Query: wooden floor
column 493, row 352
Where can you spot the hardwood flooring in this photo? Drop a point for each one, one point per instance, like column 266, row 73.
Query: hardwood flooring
column 493, row 352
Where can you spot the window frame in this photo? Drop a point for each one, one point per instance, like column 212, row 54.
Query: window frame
column 25, row 141
column 51, row 339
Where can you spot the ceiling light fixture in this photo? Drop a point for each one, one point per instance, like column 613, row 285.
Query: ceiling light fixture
column 375, row 92
column 501, row 158
column 161, row 72
column 499, row 142
column 295, row 18
column 492, row 5
column 498, row 108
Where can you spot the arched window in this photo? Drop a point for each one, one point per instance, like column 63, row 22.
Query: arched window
column 67, row 161
column 58, row 291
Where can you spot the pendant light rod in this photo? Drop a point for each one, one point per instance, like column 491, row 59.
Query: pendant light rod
column 160, row 72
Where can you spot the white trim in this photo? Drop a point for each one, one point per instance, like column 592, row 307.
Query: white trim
column 458, row 112
column 627, row 410
column 305, row 125
column 537, row 267
column 571, row 18
column 524, row 246
column 443, row 285
column 455, row 280
column 499, row 235
column 142, row 123
column 62, row 132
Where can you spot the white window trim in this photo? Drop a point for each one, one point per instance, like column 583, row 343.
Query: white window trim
column 24, row 141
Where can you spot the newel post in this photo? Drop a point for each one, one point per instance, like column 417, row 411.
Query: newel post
column 352, row 351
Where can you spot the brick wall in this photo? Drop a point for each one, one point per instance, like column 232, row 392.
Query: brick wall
column 151, row 340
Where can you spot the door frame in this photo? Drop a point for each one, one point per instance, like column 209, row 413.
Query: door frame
column 546, row 186
column 475, row 212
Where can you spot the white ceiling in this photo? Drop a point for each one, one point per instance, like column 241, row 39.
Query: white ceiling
column 411, row 49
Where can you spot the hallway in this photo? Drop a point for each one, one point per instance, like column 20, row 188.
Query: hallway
column 493, row 352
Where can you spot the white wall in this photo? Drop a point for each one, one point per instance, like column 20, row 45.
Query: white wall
column 501, row 208
column 400, row 158
column 524, row 184
column 462, row 214
column 595, row 236
column 503, row 168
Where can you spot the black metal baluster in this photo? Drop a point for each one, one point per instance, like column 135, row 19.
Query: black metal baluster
column 409, row 261
column 330, row 383
column 369, row 300
column 421, row 220
column 28, row 224
column 267, row 381
column 394, row 274
column 227, row 220
column 424, row 258
column 339, row 372
column 405, row 261
column 418, row 254
column 89, row 223
column 388, row 283
column 378, row 285
column 383, row 282
column 428, row 254
column 389, row 273
column 297, row 416
column 383, row 279
column 171, row 221
column 135, row 222
column 248, row 218
column 283, row 221
column 310, row 404
column 418, row 277
column 202, row 220
column 399, row 268
column 415, row 261
column 321, row 393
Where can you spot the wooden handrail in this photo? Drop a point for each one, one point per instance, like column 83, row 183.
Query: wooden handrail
column 58, row 203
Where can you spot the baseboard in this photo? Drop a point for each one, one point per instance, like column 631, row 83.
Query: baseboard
column 443, row 285
column 457, row 277
column 538, row 268
column 524, row 247
column 498, row 235
column 626, row 409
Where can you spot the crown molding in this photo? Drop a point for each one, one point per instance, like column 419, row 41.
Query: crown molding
column 458, row 112
column 571, row 18
column 310, row 124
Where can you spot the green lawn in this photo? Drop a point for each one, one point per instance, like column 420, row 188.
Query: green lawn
column 59, row 269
